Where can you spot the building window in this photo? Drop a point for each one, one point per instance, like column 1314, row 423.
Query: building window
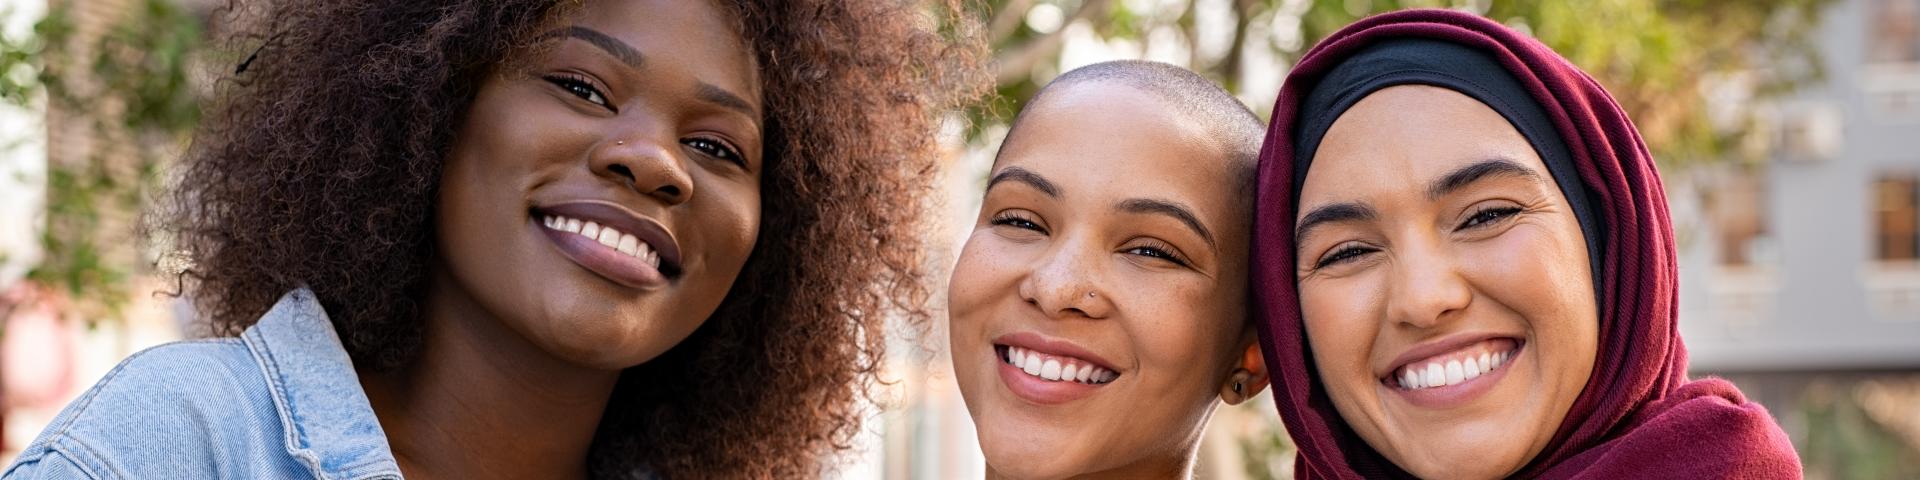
column 1896, row 213
column 1895, row 32
column 1736, row 205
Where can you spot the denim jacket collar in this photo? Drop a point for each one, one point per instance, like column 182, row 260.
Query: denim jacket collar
column 328, row 420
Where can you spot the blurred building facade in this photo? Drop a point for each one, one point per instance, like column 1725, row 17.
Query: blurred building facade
column 1811, row 261
column 1800, row 274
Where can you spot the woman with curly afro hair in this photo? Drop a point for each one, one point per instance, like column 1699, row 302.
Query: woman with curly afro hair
column 538, row 239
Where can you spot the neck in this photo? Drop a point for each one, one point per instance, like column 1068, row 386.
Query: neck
column 480, row 401
column 1175, row 467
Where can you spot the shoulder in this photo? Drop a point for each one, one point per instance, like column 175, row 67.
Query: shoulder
column 174, row 407
column 1703, row 429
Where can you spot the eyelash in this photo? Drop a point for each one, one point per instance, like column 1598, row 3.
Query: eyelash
column 1158, row 250
column 1487, row 216
column 1480, row 219
column 1016, row 221
column 1342, row 255
column 580, row 87
column 1150, row 250
column 716, row 149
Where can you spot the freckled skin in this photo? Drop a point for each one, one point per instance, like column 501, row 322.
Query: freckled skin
column 1426, row 277
column 524, row 345
column 1177, row 334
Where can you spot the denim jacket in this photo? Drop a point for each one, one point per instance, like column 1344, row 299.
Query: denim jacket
column 280, row 401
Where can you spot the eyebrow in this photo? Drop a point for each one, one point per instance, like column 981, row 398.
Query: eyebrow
column 1460, row 178
column 722, row 97
column 1171, row 209
column 613, row 46
column 1021, row 175
column 1451, row 182
column 632, row 57
column 1339, row 212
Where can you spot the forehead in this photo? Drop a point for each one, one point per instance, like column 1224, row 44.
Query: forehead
column 1107, row 140
column 699, row 36
column 1399, row 138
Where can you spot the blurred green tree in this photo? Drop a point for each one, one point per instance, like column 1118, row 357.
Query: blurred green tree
column 125, row 93
column 1662, row 59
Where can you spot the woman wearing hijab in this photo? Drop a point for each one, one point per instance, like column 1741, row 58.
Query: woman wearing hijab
column 1464, row 267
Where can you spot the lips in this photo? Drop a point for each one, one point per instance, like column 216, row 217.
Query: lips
column 1047, row 371
column 612, row 242
column 1056, row 368
column 1451, row 372
column 1453, row 368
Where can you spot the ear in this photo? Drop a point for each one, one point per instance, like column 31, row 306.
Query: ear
column 1249, row 375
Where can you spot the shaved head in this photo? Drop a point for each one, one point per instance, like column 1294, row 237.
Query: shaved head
column 1234, row 127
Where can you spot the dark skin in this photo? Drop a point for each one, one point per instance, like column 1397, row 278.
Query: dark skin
column 642, row 115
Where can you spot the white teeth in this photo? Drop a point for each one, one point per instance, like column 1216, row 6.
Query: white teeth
column 623, row 242
column 610, row 237
column 1050, row 370
column 1451, row 372
column 628, row 244
column 1057, row 369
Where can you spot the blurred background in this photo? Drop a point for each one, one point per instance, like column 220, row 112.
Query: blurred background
column 1788, row 133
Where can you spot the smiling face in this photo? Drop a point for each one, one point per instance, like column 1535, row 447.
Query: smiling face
column 1109, row 262
column 1444, row 284
column 604, row 193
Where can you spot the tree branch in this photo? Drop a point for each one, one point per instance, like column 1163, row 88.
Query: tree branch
column 1015, row 63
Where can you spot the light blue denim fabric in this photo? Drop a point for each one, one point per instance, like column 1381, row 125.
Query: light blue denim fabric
column 280, row 401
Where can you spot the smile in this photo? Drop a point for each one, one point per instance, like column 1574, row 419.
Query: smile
column 625, row 243
column 1044, row 371
column 611, row 242
column 1056, row 368
column 1455, row 367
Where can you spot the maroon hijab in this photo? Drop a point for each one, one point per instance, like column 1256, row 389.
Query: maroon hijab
column 1639, row 415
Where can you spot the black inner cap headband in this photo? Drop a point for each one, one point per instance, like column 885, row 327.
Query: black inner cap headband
column 1454, row 67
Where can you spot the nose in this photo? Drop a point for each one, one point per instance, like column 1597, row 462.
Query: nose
column 1426, row 288
column 648, row 163
column 1065, row 284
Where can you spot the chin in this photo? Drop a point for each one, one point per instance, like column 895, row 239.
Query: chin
column 1464, row 457
column 1024, row 451
column 609, row 343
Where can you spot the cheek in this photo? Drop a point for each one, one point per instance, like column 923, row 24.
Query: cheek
column 1541, row 274
column 722, row 225
column 986, row 271
column 1182, row 327
column 1342, row 320
column 740, row 222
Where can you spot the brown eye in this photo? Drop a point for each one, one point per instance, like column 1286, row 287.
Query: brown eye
column 1488, row 216
column 579, row 87
column 1159, row 251
column 715, row 149
column 1342, row 255
column 1011, row 219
